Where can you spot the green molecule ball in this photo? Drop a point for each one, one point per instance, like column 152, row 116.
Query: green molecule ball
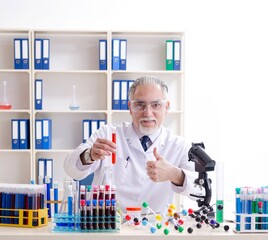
column 166, row 231
column 145, row 204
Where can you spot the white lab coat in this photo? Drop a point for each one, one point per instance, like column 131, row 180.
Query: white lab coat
column 133, row 186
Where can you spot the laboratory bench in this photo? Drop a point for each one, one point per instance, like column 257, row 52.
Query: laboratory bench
column 127, row 233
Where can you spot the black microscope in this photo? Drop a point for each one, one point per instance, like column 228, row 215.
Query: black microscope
column 203, row 164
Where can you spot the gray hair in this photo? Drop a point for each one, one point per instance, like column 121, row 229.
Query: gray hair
column 146, row 80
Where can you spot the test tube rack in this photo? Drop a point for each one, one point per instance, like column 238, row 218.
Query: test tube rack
column 251, row 223
column 251, row 209
column 65, row 223
column 23, row 218
column 87, row 209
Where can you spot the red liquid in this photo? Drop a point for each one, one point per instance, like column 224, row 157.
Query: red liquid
column 5, row 107
column 113, row 154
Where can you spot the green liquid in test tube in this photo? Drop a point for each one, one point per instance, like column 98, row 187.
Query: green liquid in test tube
column 219, row 192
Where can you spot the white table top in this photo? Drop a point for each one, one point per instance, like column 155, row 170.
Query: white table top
column 129, row 233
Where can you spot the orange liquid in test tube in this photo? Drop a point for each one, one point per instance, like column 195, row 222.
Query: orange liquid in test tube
column 113, row 154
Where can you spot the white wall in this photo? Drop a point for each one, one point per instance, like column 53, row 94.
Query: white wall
column 226, row 65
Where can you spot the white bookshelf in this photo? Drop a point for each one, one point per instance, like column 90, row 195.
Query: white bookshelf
column 16, row 165
column 74, row 60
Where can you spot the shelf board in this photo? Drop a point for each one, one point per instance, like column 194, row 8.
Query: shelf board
column 71, row 111
column 16, row 151
column 15, row 111
column 148, row 72
column 71, row 71
column 53, row 150
column 15, row 70
column 72, row 32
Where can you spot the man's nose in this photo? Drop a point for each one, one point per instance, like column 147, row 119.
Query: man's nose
column 148, row 111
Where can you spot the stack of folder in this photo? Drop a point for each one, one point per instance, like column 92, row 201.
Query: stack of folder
column 45, row 176
column 120, row 94
column 21, row 53
column 41, row 53
column 173, row 55
column 90, row 126
column 45, row 169
column 43, row 133
column 20, row 132
column 119, row 54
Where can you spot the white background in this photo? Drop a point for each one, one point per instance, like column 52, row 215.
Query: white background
column 226, row 66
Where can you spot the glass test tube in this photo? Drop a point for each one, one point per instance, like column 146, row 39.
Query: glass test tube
column 219, row 191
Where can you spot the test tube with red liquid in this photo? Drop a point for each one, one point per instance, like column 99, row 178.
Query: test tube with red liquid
column 114, row 141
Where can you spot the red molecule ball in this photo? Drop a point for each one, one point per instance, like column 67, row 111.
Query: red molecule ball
column 136, row 223
column 127, row 217
column 190, row 211
column 180, row 222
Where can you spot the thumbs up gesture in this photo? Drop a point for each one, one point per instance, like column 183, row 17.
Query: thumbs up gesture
column 160, row 170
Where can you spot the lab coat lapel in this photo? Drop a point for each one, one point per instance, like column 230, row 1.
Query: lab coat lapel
column 133, row 138
column 134, row 141
column 159, row 143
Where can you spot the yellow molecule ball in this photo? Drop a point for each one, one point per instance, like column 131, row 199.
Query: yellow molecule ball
column 158, row 217
column 170, row 212
column 172, row 206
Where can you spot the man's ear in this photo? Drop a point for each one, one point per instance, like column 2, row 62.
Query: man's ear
column 130, row 111
column 168, row 105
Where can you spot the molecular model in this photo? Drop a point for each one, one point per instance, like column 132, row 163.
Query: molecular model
column 179, row 221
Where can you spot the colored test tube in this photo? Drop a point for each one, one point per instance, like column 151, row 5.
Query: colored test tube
column 220, row 192
column 107, row 214
column 83, row 214
column 265, row 207
column 48, row 185
column 88, row 213
column 113, row 214
column 95, row 214
column 249, row 198
column 260, row 219
column 70, row 200
column 70, row 206
column 56, row 197
column 114, row 141
column 101, row 214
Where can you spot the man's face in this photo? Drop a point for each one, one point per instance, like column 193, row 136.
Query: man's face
column 148, row 108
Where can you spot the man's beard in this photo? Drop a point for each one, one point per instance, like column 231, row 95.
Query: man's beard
column 147, row 130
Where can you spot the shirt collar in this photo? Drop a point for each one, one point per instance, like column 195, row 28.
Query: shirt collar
column 152, row 137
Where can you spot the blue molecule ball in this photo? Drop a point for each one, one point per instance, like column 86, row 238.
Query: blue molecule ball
column 144, row 222
column 184, row 212
column 153, row 229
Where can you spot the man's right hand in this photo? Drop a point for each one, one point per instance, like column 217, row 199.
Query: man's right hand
column 102, row 148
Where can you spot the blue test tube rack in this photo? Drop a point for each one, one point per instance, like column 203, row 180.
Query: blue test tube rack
column 94, row 213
